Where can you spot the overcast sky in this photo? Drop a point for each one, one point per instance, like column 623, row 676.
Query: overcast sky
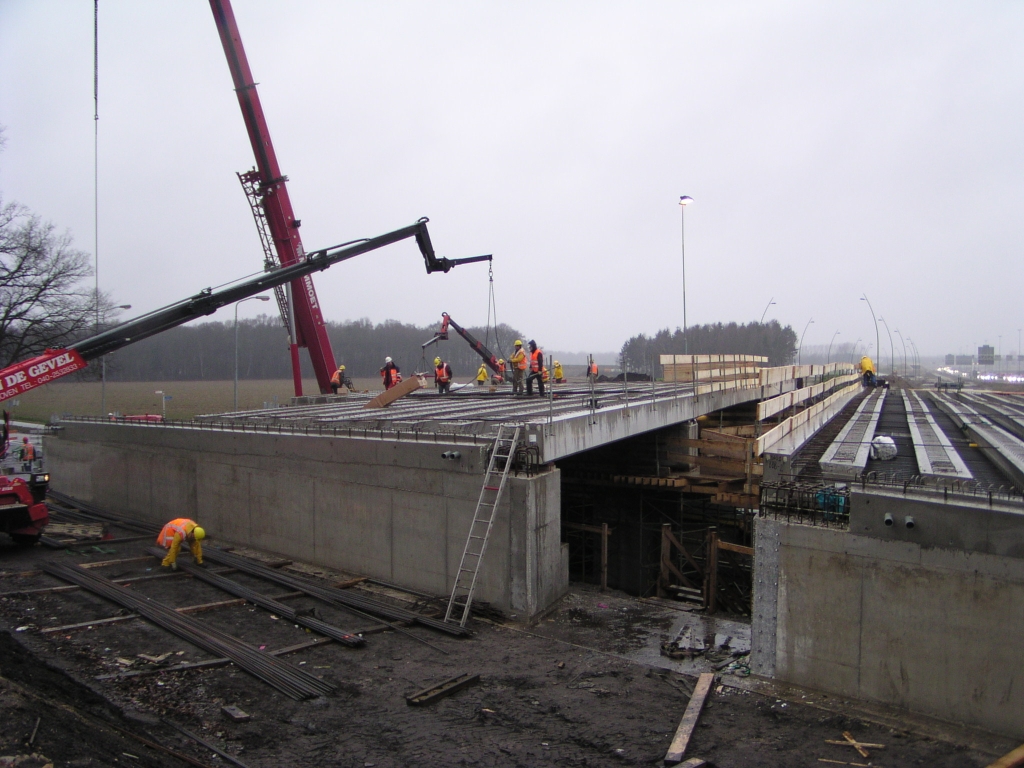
column 831, row 149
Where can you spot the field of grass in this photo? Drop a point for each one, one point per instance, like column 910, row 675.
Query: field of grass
column 188, row 398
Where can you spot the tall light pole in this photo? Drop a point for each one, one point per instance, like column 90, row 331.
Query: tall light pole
column 897, row 332
column 163, row 403
column 878, row 343
column 251, row 298
column 800, row 349
column 103, row 367
column 684, row 201
column 829, row 358
column 917, row 359
column 770, row 302
column 1018, row 352
column 892, row 355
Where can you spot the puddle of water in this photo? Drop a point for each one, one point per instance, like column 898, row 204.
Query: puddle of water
column 696, row 631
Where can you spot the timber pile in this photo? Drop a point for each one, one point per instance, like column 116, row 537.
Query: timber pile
column 714, row 372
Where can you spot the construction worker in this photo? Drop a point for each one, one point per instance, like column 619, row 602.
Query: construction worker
column 390, row 374
column 503, row 372
column 536, row 368
column 518, row 361
column 592, row 371
column 339, row 380
column 442, row 376
column 559, row 373
column 482, row 375
column 28, row 455
column 177, row 531
column 867, row 369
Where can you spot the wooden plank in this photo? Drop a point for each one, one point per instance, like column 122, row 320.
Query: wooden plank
column 677, row 749
column 448, row 687
column 727, row 449
column 401, row 389
column 736, row 548
column 731, row 467
column 1013, row 759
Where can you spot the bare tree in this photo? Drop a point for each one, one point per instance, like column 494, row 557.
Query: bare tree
column 44, row 300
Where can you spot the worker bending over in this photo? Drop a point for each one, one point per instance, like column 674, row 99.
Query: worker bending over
column 339, row 380
column 442, row 376
column 390, row 374
column 559, row 373
column 177, row 531
column 536, row 370
column 518, row 360
column 867, row 369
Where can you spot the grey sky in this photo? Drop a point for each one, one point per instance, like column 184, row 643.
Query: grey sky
column 831, row 148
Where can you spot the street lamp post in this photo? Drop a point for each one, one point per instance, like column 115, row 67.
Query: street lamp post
column 1018, row 352
column 163, row 403
column 829, row 357
column 684, row 200
column 917, row 358
column 892, row 354
column 800, row 349
column 897, row 332
column 103, row 373
column 251, row 298
column 770, row 302
column 878, row 343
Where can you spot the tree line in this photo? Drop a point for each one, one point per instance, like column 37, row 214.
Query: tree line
column 206, row 351
column 642, row 353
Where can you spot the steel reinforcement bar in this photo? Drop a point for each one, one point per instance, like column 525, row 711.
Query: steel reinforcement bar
column 330, row 594
column 267, row 603
column 280, row 674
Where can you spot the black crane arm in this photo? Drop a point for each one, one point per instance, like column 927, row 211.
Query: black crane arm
column 208, row 301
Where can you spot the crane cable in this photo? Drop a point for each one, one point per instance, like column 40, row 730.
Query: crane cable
column 492, row 308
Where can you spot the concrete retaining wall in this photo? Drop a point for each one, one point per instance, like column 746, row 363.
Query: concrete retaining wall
column 919, row 619
column 391, row 510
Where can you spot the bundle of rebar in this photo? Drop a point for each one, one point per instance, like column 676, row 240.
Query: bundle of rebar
column 331, row 595
column 280, row 674
column 89, row 511
column 267, row 603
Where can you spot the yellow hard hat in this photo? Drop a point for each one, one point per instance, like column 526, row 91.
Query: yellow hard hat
column 557, row 363
column 501, row 361
column 341, row 367
column 437, row 361
column 518, row 343
column 198, row 533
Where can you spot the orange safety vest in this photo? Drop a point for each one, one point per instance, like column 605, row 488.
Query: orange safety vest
column 443, row 373
column 519, row 358
column 535, row 360
column 28, row 452
column 336, row 378
column 593, row 369
column 181, row 526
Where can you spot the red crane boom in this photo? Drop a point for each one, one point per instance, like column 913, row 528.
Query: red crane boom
column 308, row 329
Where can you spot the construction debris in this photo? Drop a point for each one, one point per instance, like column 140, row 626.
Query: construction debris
column 851, row 742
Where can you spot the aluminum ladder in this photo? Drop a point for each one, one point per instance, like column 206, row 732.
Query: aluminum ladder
column 483, row 520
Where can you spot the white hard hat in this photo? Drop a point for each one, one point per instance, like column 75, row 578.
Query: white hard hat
column 387, row 359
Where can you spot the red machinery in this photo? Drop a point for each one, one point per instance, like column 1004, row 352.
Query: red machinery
column 23, row 513
column 478, row 347
column 268, row 193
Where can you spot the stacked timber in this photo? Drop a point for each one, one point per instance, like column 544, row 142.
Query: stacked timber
column 711, row 373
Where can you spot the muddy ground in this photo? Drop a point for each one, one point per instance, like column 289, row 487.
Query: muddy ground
column 585, row 686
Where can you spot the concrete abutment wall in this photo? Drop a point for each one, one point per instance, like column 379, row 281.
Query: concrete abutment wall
column 392, row 510
column 929, row 619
